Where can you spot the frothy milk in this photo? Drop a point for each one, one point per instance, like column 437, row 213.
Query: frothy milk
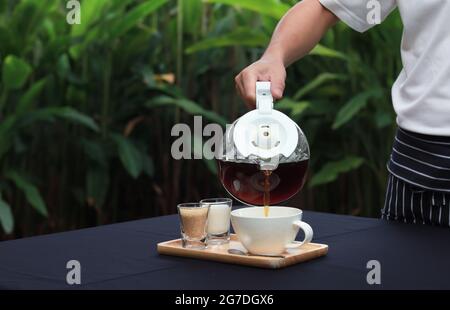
column 218, row 219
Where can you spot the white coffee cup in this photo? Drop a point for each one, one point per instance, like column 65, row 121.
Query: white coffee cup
column 270, row 235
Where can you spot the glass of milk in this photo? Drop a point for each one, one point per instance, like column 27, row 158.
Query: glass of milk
column 218, row 227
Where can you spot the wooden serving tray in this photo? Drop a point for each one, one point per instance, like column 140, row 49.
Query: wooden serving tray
column 220, row 254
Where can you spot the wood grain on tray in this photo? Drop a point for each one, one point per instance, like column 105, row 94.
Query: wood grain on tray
column 220, row 254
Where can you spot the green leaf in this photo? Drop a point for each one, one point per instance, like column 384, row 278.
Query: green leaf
column 192, row 16
column 90, row 12
column 69, row 114
column 63, row 66
column 323, row 51
column 188, row 106
column 323, row 108
column 240, row 37
column 6, row 216
column 73, row 115
column 272, row 8
column 383, row 119
column 268, row 23
column 15, row 72
column 30, row 95
column 30, row 191
column 318, row 81
column 134, row 16
column 296, row 107
column 94, row 151
column 28, row 16
column 211, row 165
column 147, row 165
column 330, row 171
column 49, row 27
column 8, row 42
column 129, row 155
column 353, row 106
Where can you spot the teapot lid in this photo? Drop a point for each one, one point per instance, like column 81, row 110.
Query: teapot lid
column 265, row 132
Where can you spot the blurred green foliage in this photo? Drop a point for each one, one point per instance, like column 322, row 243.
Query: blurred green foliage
column 86, row 110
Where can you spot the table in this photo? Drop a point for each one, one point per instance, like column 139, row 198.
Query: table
column 123, row 256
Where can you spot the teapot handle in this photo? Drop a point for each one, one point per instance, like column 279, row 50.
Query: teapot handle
column 264, row 99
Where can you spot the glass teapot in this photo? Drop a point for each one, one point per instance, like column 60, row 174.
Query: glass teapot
column 263, row 158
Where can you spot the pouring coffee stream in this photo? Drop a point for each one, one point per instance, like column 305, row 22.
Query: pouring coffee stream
column 264, row 155
column 267, row 174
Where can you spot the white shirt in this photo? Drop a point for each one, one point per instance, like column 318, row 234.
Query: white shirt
column 421, row 93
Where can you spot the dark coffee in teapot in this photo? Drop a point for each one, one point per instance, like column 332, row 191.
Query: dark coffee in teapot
column 253, row 186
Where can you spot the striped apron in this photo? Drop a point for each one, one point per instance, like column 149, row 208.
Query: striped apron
column 418, row 189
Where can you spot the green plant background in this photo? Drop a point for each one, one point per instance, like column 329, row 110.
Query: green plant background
column 86, row 110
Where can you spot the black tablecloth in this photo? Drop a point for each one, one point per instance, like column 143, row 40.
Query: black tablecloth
column 123, row 256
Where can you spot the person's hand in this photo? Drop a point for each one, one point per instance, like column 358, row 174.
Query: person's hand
column 261, row 70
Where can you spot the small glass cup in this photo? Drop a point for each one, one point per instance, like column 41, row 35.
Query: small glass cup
column 193, row 224
column 218, row 227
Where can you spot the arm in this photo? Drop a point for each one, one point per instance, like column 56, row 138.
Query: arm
column 295, row 35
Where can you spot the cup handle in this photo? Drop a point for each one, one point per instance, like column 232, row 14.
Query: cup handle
column 307, row 229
